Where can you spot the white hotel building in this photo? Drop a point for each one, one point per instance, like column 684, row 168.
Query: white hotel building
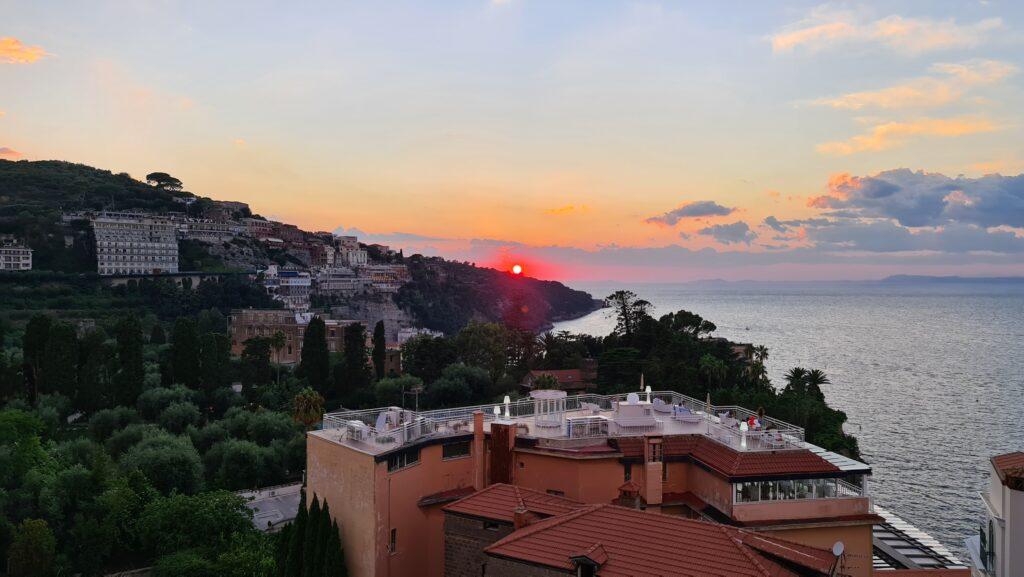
column 14, row 255
column 132, row 243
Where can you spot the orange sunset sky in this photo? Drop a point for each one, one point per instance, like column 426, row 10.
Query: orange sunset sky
column 652, row 141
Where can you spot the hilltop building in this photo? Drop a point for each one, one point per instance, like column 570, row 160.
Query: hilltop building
column 14, row 255
column 248, row 323
column 570, row 380
column 998, row 549
column 291, row 287
column 129, row 243
column 389, row 472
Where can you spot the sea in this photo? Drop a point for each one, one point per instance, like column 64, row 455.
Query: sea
column 929, row 372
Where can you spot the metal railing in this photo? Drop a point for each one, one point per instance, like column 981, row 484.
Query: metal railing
column 360, row 425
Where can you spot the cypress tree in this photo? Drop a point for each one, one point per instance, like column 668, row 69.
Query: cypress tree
column 379, row 353
column 129, row 376
column 284, row 539
column 214, row 360
column 58, row 367
column 310, row 538
column 157, row 336
column 293, row 563
column 334, row 559
column 314, row 362
column 33, row 344
column 323, row 538
column 185, row 353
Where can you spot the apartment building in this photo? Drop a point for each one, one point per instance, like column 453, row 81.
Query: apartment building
column 291, row 287
column 388, row 473
column 245, row 324
column 258, row 228
column 208, row 230
column 14, row 254
column 134, row 243
column 998, row 548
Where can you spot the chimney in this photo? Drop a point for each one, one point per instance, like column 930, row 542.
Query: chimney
column 478, row 450
column 522, row 517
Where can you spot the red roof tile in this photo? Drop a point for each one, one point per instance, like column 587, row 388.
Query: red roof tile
column 1009, row 466
column 731, row 463
column 640, row 544
column 499, row 502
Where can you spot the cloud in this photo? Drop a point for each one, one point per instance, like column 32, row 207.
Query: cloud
column 887, row 236
column 12, row 51
column 9, row 153
column 920, row 199
column 824, row 29
column 775, row 224
column 892, row 134
column 698, row 209
column 734, row 233
column 953, row 81
column 567, row 209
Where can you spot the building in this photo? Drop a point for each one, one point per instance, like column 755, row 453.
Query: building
column 406, row 333
column 998, row 549
column 273, row 507
column 505, row 530
column 258, row 228
column 291, row 287
column 245, row 324
column 134, row 243
column 14, row 255
column 208, row 230
column 571, row 380
column 385, row 277
column 388, row 472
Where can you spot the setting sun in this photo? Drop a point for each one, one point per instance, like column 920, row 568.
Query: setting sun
column 517, row 269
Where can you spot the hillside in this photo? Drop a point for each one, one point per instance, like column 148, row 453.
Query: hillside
column 442, row 295
column 445, row 295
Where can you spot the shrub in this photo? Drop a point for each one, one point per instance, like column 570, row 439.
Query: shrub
column 184, row 564
column 180, row 522
column 266, row 426
column 128, row 437
column 153, row 402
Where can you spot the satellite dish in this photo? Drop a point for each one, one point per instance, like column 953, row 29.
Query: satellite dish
column 838, row 548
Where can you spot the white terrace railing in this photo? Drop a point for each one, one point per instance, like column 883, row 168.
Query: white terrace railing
column 586, row 417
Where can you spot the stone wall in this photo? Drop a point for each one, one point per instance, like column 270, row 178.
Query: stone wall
column 464, row 541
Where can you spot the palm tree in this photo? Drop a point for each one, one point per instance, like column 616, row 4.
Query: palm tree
column 814, row 379
column 308, row 407
column 761, row 353
column 277, row 342
column 796, row 379
column 714, row 369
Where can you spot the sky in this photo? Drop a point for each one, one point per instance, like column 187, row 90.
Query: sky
column 637, row 141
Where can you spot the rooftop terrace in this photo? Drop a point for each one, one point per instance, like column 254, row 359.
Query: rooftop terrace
column 559, row 421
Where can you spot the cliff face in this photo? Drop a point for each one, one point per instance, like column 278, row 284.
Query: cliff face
column 445, row 296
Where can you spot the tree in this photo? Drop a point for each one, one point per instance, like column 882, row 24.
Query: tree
column 390, row 392
column 352, row 375
column 163, row 181
column 379, row 349
column 255, row 364
column 170, row 463
column 33, row 550
column 277, row 342
column 293, row 561
column 323, row 538
column 628, row 311
column 157, row 336
column 314, row 362
column 206, row 520
column 308, row 407
column 131, row 371
column 58, row 369
column 185, row 352
column 813, row 380
column 688, row 323
column 309, row 540
column 214, row 360
column 33, row 347
column 426, row 356
column 715, row 369
column 484, row 345
column 94, row 362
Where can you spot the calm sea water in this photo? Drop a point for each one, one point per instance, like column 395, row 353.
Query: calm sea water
column 931, row 376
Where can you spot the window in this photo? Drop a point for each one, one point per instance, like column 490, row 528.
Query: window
column 402, row 459
column 627, row 472
column 455, row 450
column 491, row 525
column 393, row 541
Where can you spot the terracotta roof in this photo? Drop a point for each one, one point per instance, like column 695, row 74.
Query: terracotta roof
column 929, row 573
column 731, row 463
column 1010, row 467
column 499, row 501
column 638, row 543
column 445, row 496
